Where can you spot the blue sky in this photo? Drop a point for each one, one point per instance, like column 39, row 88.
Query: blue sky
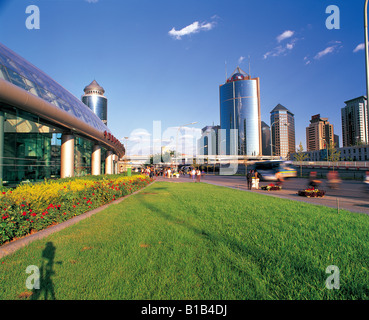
column 164, row 60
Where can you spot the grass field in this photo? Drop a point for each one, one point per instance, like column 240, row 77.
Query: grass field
column 198, row 241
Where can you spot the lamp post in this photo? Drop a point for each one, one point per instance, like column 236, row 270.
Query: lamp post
column 125, row 153
column 179, row 128
column 366, row 48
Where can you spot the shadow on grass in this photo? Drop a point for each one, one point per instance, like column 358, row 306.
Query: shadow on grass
column 46, row 290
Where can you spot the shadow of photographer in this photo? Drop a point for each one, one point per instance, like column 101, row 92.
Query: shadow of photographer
column 46, row 272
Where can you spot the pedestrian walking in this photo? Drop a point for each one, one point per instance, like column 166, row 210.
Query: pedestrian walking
column 193, row 174
column 249, row 179
column 198, row 175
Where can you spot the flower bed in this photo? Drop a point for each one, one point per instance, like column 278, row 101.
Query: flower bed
column 34, row 207
column 271, row 187
column 313, row 193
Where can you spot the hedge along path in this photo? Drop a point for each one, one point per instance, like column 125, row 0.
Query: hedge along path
column 15, row 245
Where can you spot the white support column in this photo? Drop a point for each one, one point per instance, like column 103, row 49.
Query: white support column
column 67, row 156
column 96, row 160
column 109, row 162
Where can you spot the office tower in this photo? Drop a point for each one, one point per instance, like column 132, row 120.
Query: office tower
column 355, row 122
column 208, row 143
column 94, row 98
column 282, row 131
column 265, row 139
column 319, row 134
column 240, row 115
column 337, row 141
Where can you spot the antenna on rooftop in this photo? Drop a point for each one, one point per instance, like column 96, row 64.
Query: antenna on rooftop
column 249, row 68
column 226, row 70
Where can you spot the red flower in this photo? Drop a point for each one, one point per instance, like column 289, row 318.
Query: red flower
column 24, row 213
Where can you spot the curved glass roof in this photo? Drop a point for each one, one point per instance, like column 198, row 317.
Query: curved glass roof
column 21, row 73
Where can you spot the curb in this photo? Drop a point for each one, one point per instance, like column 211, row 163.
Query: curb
column 11, row 247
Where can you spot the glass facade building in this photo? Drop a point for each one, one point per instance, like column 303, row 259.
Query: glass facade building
column 240, row 115
column 94, row 98
column 355, row 122
column 36, row 115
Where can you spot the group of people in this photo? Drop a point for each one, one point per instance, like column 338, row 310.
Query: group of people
column 166, row 172
column 195, row 174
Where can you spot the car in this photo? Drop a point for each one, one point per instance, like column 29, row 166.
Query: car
column 267, row 170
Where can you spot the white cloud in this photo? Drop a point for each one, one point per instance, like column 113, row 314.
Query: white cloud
column 290, row 46
column 240, row 59
column 324, row 52
column 92, row 1
column 307, row 60
column 285, row 35
column 359, row 47
column 282, row 49
column 194, row 27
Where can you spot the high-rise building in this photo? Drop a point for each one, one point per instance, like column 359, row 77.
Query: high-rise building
column 355, row 122
column 336, row 141
column 240, row 115
column 319, row 134
column 265, row 139
column 208, row 143
column 94, row 98
column 283, row 131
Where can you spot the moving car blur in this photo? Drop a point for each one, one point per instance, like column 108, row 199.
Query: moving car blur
column 267, row 170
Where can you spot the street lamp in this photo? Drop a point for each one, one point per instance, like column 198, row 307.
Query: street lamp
column 366, row 47
column 179, row 128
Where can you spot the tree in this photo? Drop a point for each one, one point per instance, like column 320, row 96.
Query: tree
column 333, row 154
column 300, row 156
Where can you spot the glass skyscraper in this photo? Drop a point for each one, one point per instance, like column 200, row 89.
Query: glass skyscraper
column 94, row 98
column 355, row 119
column 240, row 115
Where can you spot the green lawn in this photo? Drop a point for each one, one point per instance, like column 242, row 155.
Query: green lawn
column 198, row 241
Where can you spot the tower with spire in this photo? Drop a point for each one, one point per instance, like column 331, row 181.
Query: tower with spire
column 94, row 98
column 240, row 115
